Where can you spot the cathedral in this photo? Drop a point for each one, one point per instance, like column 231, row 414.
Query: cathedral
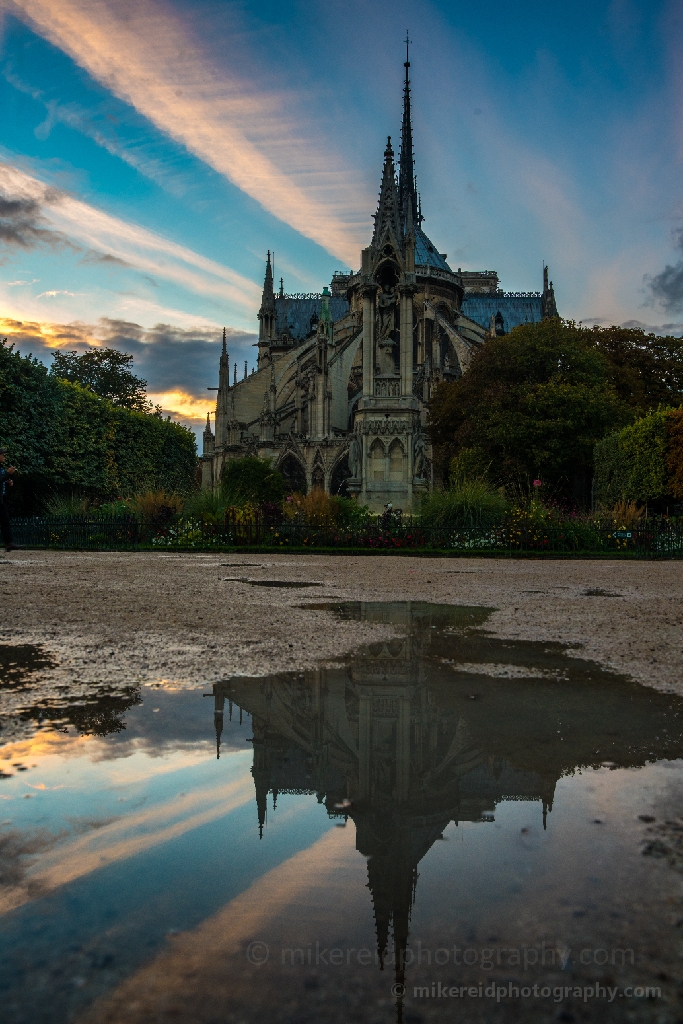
column 340, row 395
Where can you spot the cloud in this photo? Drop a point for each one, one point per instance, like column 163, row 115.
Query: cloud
column 147, row 57
column 178, row 363
column 54, row 293
column 663, row 330
column 667, row 286
column 105, row 258
column 23, row 224
column 69, row 219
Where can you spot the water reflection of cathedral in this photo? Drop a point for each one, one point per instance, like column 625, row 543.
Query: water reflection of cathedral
column 417, row 732
column 375, row 741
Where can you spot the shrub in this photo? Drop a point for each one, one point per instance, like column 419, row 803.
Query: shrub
column 467, row 505
column 71, row 504
column 157, row 507
column 314, row 509
column 624, row 515
column 207, row 506
column 319, row 509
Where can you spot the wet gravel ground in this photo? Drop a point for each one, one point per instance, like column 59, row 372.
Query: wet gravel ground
column 111, row 618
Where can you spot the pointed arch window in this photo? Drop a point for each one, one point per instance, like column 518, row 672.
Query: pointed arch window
column 377, row 460
column 396, row 460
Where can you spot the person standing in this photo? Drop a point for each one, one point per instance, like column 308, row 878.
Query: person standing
column 6, row 481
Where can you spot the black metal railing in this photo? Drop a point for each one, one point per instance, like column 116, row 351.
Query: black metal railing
column 655, row 538
column 77, row 533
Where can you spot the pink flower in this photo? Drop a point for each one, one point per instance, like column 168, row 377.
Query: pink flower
column 537, row 483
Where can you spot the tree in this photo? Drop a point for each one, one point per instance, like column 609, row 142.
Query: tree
column 532, row 405
column 63, row 438
column 643, row 462
column 646, row 370
column 106, row 372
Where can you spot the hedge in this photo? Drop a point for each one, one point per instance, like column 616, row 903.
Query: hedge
column 61, row 436
column 641, row 462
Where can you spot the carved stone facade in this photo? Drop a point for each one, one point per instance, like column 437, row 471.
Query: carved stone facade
column 339, row 399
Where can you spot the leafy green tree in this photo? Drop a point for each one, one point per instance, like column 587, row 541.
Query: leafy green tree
column 532, row 405
column 643, row 462
column 674, row 452
column 646, row 370
column 251, row 479
column 106, row 372
column 65, row 439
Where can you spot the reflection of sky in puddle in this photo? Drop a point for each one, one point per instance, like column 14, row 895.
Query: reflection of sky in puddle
column 442, row 754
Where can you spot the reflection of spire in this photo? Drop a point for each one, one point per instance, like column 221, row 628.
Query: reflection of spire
column 261, row 774
column 219, row 699
column 406, row 179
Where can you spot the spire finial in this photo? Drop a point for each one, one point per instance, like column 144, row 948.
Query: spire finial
column 224, row 339
column 406, row 179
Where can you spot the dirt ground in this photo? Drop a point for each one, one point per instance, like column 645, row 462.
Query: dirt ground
column 189, row 618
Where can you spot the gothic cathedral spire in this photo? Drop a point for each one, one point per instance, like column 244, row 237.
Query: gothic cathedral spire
column 267, row 313
column 406, row 179
column 387, row 216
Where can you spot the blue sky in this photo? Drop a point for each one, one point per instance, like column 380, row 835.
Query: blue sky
column 151, row 152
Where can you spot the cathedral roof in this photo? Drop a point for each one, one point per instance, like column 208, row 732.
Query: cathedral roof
column 295, row 314
column 426, row 252
column 515, row 307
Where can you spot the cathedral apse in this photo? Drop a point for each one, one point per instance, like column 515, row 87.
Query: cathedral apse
column 340, row 395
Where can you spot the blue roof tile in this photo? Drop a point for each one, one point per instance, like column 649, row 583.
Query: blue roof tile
column 426, row 252
column 294, row 314
column 515, row 309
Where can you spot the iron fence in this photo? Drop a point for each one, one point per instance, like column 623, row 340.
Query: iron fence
column 77, row 533
column 656, row 538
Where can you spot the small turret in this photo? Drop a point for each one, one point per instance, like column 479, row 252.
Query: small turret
column 222, row 396
column 548, row 304
column 209, row 440
column 267, row 314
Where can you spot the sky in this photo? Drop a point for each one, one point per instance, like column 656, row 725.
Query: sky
column 152, row 151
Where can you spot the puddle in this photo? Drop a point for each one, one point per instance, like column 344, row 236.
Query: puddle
column 274, row 583
column 18, row 662
column 441, row 812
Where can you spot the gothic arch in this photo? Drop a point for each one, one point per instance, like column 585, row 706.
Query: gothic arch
column 377, row 460
column 293, row 472
column 339, row 476
column 396, row 460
